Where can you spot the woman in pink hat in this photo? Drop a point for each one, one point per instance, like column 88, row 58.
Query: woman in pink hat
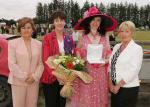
column 92, row 44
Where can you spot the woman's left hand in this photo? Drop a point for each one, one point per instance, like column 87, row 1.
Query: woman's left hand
column 105, row 62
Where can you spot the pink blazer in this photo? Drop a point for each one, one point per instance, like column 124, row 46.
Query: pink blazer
column 20, row 65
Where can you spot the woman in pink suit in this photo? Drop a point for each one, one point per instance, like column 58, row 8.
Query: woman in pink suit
column 55, row 43
column 25, row 64
column 94, row 94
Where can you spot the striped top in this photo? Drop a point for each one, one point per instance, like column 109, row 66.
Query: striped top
column 113, row 64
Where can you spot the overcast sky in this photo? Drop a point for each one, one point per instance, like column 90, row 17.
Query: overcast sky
column 14, row 9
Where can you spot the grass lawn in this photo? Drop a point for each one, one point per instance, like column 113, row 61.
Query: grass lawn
column 138, row 36
column 142, row 36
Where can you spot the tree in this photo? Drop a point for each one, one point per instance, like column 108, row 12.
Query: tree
column 102, row 8
column 45, row 13
column 128, row 15
column 76, row 13
column 39, row 13
column 58, row 5
column 50, row 11
column 68, row 10
column 147, row 15
column 114, row 11
column 135, row 14
column 122, row 13
column 84, row 8
column 139, row 15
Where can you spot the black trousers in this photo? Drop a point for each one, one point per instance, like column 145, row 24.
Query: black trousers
column 52, row 95
column 126, row 97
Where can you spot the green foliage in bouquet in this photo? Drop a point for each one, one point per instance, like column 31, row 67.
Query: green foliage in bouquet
column 71, row 62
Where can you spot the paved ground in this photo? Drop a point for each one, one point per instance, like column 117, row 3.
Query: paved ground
column 144, row 95
column 145, row 70
column 143, row 100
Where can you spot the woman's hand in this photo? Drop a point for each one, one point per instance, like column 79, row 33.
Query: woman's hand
column 78, row 55
column 30, row 79
column 111, row 85
column 116, row 89
column 111, row 88
column 105, row 62
column 102, row 64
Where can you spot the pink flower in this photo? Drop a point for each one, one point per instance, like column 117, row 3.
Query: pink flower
column 93, row 10
column 86, row 14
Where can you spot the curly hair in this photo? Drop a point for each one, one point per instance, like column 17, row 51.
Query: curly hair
column 87, row 28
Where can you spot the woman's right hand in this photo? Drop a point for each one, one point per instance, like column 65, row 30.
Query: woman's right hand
column 111, row 85
column 116, row 89
column 78, row 54
column 111, row 88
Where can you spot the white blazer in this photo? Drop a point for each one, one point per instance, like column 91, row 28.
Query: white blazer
column 20, row 64
column 128, row 64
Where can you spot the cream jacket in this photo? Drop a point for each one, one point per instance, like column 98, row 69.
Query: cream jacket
column 128, row 64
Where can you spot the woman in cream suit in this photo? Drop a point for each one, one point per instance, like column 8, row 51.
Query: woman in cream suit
column 125, row 65
column 25, row 64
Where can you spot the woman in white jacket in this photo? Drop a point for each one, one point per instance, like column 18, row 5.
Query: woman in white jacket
column 125, row 65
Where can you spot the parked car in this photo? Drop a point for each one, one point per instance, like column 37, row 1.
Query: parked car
column 5, row 90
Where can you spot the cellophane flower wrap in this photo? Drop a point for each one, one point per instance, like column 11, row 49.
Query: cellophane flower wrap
column 67, row 68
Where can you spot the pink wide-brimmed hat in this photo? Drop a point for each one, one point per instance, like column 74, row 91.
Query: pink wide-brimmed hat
column 77, row 25
column 108, row 23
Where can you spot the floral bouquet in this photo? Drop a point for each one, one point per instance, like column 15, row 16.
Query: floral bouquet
column 67, row 68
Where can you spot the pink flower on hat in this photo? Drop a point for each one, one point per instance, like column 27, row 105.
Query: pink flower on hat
column 85, row 14
column 93, row 10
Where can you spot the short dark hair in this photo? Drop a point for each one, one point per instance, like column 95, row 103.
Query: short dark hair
column 58, row 14
column 23, row 21
column 87, row 28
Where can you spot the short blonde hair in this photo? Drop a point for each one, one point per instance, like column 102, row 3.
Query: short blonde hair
column 127, row 25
